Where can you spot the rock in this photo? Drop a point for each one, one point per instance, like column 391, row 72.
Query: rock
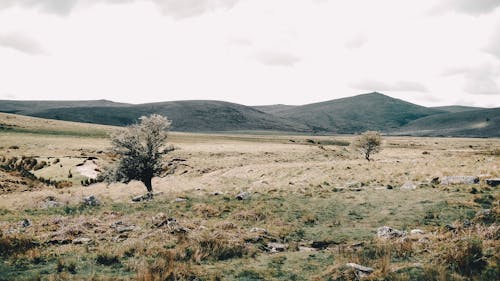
column 409, row 185
column 450, row 227
column 161, row 219
column 243, row 196
column 122, row 229
column 120, row 237
column 362, row 271
column 276, row 247
column 459, row 180
column 259, row 230
column 90, row 200
column 25, row 223
column 59, row 241
column 435, row 180
column 82, row 240
column 321, row 245
column 388, row 232
column 484, row 212
column 177, row 200
column 50, row 202
column 417, row 231
column 218, row 192
column 307, row 249
column 493, row 182
column 140, row 198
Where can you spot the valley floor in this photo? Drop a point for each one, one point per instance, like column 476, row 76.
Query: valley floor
column 314, row 206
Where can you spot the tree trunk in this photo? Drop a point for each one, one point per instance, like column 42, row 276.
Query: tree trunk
column 149, row 185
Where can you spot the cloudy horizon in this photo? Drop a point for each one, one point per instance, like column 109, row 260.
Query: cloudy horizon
column 252, row 52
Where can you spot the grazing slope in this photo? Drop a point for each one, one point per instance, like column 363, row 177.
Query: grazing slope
column 476, row 123
column 32, row 107
column 193, row 116
column 274, row 108
column 372, row 111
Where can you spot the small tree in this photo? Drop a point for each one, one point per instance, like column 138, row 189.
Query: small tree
column 368, row 143
column 141, row 148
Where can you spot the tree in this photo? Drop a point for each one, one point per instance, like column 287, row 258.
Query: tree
column 368, row 143
column 140, row 148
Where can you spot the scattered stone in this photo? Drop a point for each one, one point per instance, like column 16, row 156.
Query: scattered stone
column 120, row 237
column 243, row 196
column 321, row 245
column 25, row 223
column 177, row 200
column 388, row 232
column 123, row 229
column 390, row 186
column 82, row 240
column 424, row 240
column 459, row 180
column 50, row 202
column 484, row 212
column 435, row 180
column 467, row 223
column 307, row 249
column 59, row 241
column 259, row 230
column 417, row 231
column 409, row 185
column 91, row 200
column 362, row 271
column 273, row 247
column 450, row 227
column 493, row 182
column 218, row 192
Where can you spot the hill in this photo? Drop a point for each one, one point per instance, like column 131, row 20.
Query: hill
column 475, row 123
column 32, row 107
column 456, row 108
column 274, row 108
column 191, row 116
column 372, row 111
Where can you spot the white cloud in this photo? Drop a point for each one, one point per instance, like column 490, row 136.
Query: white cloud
column 473, row 7
column 21, row 43
column 276, row 58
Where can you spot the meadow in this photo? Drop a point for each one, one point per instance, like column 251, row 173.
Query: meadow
column 311, row 206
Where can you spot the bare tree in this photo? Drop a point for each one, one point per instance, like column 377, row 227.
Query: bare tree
column 140, row 148
column 368, row 143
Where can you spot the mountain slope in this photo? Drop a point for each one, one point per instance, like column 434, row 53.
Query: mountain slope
column 195, row 116
column 372, row 111
column 457, row 108
column 31, row 107
column 476, row 123
column 274, row 108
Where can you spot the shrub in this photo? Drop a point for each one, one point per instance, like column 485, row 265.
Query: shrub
column 368, row 143
column 107, row 259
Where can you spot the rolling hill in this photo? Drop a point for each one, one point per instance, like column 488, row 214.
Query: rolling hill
column 475, row 123
column 356, row 114
column 456, row 108
column 191, row 116
column 32, row 107
column 373, row 111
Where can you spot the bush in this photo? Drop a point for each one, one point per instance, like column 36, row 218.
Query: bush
column 107, row 259
column 465, row 256
column 368, row 143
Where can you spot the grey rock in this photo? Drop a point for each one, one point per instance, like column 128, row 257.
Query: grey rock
column 91, row 200
column 276, row 247
column 389, row 232
column 259, row 230
column 484, row 212
column 177, row 200
column 409, row 185
column 243, row 196
column 82, row 240
column 493, row 182
column 25, row 223
column 416, row 231
column 362, row 271
column 459, row 180
column 218, row 192
column 123, row 229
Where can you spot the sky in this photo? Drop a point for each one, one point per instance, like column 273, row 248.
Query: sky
column 253, row 52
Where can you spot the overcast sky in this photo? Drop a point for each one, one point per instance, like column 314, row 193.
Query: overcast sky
column 431, row 52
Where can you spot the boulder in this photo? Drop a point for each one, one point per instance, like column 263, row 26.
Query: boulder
column 82, row 240
column 362, row 271
column 492, row 182
column 243, row 196
column 25, row 223
column 416, row 231
column 276, row 247
column 459, row 180
column 409, row 185
column 389, row 232
column 90, row 200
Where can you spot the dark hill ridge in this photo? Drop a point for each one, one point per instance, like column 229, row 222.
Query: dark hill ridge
column 457, row 108
column 193, row 116
column 356, row 114
column 472, row 123
column 372, row 111
column 27, row 107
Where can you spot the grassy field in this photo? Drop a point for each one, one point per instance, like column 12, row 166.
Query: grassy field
column 315, row 198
